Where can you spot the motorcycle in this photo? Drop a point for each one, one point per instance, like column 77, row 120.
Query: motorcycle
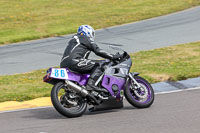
column 70, row 97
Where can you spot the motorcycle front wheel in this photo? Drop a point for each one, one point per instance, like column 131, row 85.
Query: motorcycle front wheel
column 140, row 98
column 67, row 102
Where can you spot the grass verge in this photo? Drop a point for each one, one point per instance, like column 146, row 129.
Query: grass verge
column 171, row 63
column 22, row 20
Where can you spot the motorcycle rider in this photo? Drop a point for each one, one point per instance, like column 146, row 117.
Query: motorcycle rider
column 76, row 55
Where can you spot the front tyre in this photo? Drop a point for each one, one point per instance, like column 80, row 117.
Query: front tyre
column 66, row 102
column 140, row 98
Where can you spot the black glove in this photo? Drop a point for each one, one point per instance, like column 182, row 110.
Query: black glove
column 117, row 56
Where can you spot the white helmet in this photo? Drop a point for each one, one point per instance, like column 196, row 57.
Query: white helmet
column 87, row 31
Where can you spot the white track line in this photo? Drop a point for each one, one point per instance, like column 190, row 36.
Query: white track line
column 175, row 91
column 158, row 93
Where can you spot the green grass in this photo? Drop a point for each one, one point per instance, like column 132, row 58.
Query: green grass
column 22, row 87
column 171, row 63
column 22, row 20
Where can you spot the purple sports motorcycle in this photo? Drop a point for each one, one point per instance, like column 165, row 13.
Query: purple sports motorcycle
column 70, row 97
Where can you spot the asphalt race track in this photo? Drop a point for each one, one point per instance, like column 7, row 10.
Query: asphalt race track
column 158, row 32
column 170, row 113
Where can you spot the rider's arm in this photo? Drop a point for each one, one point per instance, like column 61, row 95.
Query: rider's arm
column 100, row 52
column 91, row 45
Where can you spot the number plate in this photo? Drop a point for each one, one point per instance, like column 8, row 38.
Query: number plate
column 59, row 73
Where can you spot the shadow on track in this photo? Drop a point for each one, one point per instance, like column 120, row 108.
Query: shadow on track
column 51, row 113
column 110, row 111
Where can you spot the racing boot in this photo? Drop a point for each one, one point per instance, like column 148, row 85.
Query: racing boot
column 97, row 72
column 91, row 86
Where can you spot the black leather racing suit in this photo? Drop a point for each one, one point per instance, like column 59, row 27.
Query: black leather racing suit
column 76, row 54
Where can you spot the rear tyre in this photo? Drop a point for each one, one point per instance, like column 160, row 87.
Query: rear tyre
column 140, row 98
column 66, row 102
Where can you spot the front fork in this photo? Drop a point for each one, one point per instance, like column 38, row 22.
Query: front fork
column 137, row 86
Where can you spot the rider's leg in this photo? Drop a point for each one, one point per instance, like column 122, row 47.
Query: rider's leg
column 96, row 73
column 82, row 66
column 88, row 66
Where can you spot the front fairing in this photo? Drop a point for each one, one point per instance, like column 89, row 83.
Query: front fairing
column 115, row 77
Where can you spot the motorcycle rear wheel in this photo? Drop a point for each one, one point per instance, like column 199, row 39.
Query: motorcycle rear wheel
column 61, row 106
column 133, row 98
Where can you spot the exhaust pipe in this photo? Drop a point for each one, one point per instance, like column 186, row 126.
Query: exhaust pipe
column 81, row 91
column 76, row 88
